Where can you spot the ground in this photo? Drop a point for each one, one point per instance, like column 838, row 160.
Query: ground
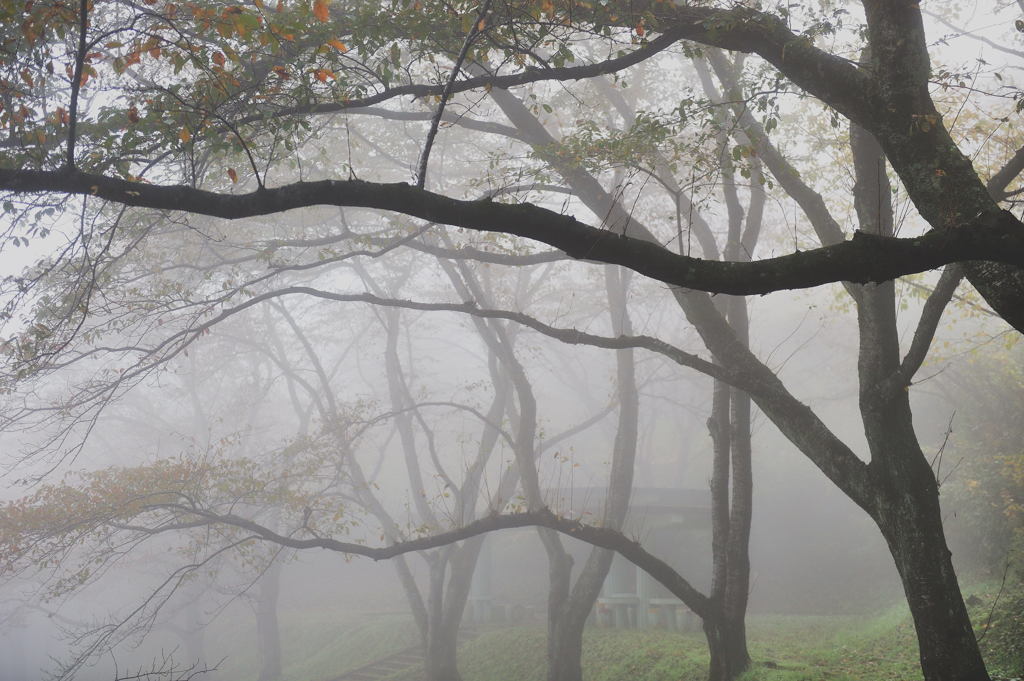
column 321, row 646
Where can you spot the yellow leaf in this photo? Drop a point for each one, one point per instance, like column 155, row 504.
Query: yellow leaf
column 320, row 10
column 185, row 135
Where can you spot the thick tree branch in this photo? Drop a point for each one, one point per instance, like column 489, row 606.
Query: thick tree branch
column 863, row 259
column 998, row 183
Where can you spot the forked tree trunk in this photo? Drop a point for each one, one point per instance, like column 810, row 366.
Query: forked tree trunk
column 910, row 520
column 905, row 503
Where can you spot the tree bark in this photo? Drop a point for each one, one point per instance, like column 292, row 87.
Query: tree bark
column 906, row 494
column 910, row 519
column 727, row 646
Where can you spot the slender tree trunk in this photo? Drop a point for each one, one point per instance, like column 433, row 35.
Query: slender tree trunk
column 440, row 641
column 567, row 621
column 737, row 587
column 563, row 665
column 267, row 629
column 725, row 631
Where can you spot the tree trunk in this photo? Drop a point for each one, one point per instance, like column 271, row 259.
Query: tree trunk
column 910, row 519
column 267, row 629
column 567, row 619
column 440, row 640
column 727, row 646
column 440, row 662
column 906, row 495
column 564, row 658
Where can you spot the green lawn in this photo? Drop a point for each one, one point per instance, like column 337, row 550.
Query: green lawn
column 321, row 646
column 784, row 648
column 316, row 646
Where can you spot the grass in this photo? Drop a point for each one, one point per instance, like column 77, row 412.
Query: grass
column 320, row 646
column 784, row 648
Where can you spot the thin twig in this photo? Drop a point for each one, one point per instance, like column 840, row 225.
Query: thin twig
column 995, row 602
column 421, row 176
column 76, row 81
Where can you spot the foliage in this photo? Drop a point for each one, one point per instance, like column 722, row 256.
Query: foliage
column 997, row 608
column 985, row 455
column 82, row 523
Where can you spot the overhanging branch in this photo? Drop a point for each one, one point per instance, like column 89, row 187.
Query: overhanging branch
column 993, row 237
column 596, row 536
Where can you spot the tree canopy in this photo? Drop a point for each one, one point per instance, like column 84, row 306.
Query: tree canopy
column 159, row 105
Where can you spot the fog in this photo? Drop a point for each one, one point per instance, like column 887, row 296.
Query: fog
column 246, row 449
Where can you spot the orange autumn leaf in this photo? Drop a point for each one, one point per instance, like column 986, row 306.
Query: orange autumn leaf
column 323, row 74
column 233, row 175
column 218, row 58
column 320, row 10
column 185, row 135
column 133, row 114
column 338, row 45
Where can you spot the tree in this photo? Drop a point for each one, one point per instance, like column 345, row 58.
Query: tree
column 231, row 93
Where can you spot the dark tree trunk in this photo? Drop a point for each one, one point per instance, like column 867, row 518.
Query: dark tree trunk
column 911, row 522
column 727, row 646
column 905, row 504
